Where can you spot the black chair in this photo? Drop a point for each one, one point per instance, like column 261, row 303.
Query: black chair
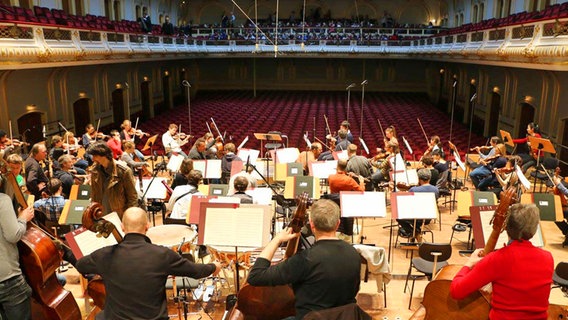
column 463, row 224
column 560, row 277
column 431, row 258
column 550, row 165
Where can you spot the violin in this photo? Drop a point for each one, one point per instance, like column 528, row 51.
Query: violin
column 137, row 132
column 16, row 143
column 504, row 170
column 555, row 190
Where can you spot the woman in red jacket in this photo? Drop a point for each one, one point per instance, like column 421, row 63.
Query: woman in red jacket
column 529, row 159
column 520, row 273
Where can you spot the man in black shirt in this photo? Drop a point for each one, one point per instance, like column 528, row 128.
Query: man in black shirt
column 135, row 271
column 324, row 276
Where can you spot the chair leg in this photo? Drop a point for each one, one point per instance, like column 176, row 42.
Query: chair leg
column 411, row 293
column 385, row 294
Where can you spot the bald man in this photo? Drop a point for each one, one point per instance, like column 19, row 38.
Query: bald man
column 135, row 271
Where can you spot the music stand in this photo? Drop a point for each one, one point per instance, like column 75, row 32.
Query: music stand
column 507, row 139
column 150, row 145
column 543, row 145
column 267, row 137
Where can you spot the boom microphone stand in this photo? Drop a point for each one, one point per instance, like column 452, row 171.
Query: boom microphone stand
column 454, row 100
column 363, row 84
column 349, row 98
column 186, row 84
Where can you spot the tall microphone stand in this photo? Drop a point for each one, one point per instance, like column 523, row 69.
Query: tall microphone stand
column 363, row 84
column 454, row 99
column 127, row 101
column 348, row 99
column 471, row 112
column 187, row 85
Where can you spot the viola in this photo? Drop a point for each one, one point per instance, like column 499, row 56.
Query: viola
column 39, row 259
column 557, row 191
column 273, row 302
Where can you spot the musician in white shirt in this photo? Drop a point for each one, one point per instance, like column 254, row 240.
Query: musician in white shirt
column 173, row 141
column 180, row 199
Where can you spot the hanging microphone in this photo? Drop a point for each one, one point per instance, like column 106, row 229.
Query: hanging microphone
column 43, row 131
column 473, row 97
column 455, row 81
column 185, row 83
column 126, row 85
column 181, row 244
column 364, row 82
column 351, row 86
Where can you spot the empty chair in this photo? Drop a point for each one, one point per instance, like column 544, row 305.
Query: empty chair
column 560, row 277
column 431, row 258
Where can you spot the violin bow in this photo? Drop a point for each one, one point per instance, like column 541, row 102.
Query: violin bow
column 135, row 128
column 97, row 131
column 217, row 129
column 381, row 127
column 424, row 132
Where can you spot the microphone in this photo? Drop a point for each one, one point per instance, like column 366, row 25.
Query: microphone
column 43, row 131
column 364, row 82
column 284, row 136
column 247, row 165
column 351, row 86
column 185, row 83
column 181, row 244
column 155, row 155
column 473, row 97
column 126, row 85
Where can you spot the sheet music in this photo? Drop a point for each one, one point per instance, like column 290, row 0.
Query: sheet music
column 400, row 163
column 340, row 155
column 363, row 204
column 364, row 145
column 157, row 189
column 175, row 162
column 213, row 169
column 537, row 240
column 522, row 179
column 416, row 205
column 88, row 242
column 287, row 155
column 261, row 167
column 459, row 161
column 407, row 145
column 245, row 153
column 261, row 196
column 410, row 177
column 224, row 226
column 323, row 169
column 115, row 219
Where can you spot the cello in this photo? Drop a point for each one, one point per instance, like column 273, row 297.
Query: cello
column 437, row 301
column 39, row 259
column 272, row 303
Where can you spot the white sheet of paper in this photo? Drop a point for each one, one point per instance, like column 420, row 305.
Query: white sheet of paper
column 407, row 146
column 115, row 219
column 175, row 162
column 524, row 181
column 225, row 200
column 340, row 155
column 421, row 205
column 245, row 153
column 261, row 196
column 363, row 204
column 213, row 170
column 157, row 189
column 287, row 155
column 261, row 167
column 410, row 177
column 486, row 216
column 224, row 226
column 400, row 163
column 458, row 160
column 88, row 242
column 323, row 169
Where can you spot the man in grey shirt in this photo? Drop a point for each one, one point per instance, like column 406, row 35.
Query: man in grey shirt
column 15, row 293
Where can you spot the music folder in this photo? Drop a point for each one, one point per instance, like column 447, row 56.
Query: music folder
column 297, row 185
column 73, row 211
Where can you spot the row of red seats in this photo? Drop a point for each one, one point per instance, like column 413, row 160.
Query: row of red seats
column 556, row 11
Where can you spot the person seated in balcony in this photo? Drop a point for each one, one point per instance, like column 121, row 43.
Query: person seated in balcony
column 167, row 27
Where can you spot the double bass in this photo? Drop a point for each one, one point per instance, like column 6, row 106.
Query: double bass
column 438, row 302
column 39, row 259
column 272, row 303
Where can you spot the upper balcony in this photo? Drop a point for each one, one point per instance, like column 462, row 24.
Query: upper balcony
column 530, row 41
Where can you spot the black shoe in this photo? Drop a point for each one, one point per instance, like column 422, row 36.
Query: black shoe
column 404, row 233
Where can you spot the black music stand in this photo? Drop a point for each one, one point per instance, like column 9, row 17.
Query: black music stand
column 543, row 145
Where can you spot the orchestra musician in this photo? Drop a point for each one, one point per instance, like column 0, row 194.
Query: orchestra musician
column 129, row 156
column 212, row 146
column 91, row 135
column 306, row 157
column 180, row 177
column 227, row 162
column 56, row 149
column 140, row 292
column 247, row 173
column 483, row 177
column 181, row 196
column 65, row 174
column 15, row 293
column 435, row 144
column 390, row 136
column 383, row 164
column 198, row 151
column 112, row 184
column 413, row 228
column 520, row 273
column 173, row 141
column 9, row 146
column 115, row 144
column 360, row 166
column 342, row 140
column 529, row 157
column 36, row 179
column 240, row 184
column 128, row 133
column 562, row 225
column 484, row 152
column 507, row 176
column 14, row 163
column 71, row 145
column 324, row 276
column 428, row 163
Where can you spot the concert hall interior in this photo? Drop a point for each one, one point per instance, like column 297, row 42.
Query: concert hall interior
column 427, row 121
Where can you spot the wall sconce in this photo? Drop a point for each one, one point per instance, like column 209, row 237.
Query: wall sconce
column 496, row 89
column 166, row 73
column 529, row 99
column 31, row 107
column 442, row 71
column 145, row 79
column 472, row 81
column 118, row 86
column 82, row 95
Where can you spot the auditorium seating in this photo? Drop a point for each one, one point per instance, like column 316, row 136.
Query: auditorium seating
column 294, row 113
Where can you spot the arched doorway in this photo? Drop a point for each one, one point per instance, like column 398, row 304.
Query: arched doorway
column 118, row 106
column 81, row 115
column 30, row 127
column 146, row 100
column 526, row 116
column 494, row 108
